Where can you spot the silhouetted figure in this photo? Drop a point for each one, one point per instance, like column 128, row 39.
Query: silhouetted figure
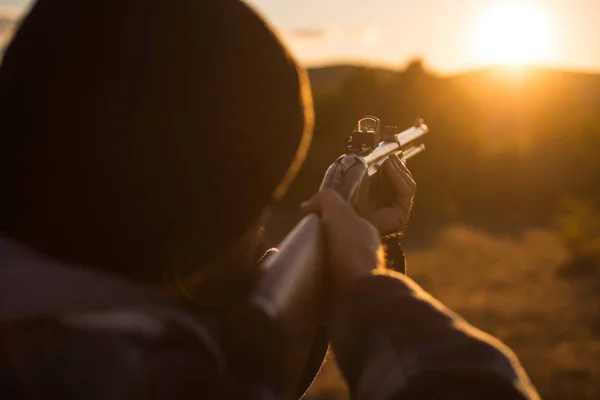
column 142, row 143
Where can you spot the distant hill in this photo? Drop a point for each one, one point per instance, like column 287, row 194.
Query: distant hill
column 531, row 82
column 514, row 101
column 478, row 82
column 329, row 78
column 523, row 106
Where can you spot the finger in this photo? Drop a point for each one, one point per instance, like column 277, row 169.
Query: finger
column 402, row 165
column 394, row 160
column 408, row 179
column 388, row 161
column 389, row 170
column 328, row 204
column 395, row 176
column 404, row 172
column 405, row 191
column 313, row 205
column 333, row 206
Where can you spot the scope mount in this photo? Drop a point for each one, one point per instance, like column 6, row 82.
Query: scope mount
column 365, row 137
column 368, row 134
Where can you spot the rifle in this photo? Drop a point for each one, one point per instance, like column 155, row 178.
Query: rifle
column 293, row 289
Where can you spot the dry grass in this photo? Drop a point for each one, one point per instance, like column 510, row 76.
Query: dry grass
column 511, row 288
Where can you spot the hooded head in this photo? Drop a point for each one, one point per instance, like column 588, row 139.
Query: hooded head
column 144, row 137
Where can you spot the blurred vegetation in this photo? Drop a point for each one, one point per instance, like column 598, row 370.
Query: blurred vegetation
column 506, row 224
column 578, row 226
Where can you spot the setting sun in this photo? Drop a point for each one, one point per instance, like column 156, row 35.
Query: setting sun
column 513, row 34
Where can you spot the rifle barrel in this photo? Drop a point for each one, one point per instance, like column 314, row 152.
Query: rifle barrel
column 411, row 134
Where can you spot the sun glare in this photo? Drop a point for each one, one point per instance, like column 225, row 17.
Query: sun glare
column 513, row 34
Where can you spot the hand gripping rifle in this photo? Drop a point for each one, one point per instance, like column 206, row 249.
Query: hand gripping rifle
column 293, row 289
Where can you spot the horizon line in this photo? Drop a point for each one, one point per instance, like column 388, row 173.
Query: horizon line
column 442, row 72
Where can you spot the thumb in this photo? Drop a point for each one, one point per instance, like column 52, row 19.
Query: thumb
column 314, row 205
column 326, row 203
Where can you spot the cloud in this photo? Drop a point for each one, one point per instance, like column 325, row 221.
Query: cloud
column 360, row 34
column 367, row 35
column 309, row 33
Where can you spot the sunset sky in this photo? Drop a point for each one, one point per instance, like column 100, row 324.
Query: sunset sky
column 451, row 35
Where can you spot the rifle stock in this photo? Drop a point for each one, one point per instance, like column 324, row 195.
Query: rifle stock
column 295, row 284
column 292, row 293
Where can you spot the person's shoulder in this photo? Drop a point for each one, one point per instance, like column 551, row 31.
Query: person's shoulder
column 118, row 352
column 69, row 330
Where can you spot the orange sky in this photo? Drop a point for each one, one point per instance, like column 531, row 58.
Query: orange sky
column 446, row 33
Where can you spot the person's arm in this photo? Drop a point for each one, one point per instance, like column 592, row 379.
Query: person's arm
column 393, row 340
